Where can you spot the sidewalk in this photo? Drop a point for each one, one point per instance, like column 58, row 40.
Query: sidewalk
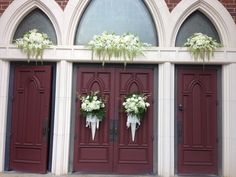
column 18, row 174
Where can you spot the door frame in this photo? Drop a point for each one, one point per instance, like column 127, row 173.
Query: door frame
column 9, row 111
column 155, row 107
column 219, row 114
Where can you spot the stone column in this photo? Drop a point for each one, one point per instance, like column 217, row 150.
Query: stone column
column 229, row 120
column 4, row 85
column 166, row 120
column 61, row 134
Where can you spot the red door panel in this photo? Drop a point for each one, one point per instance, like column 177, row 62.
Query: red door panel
column 134, row 157
column 197, row 121
column 94, row 155
column 30, row 117
column 113, row 150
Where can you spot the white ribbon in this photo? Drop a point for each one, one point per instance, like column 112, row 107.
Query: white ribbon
column 92, row 122
column 132, row 120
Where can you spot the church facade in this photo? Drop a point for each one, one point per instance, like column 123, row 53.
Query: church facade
column 188, row 129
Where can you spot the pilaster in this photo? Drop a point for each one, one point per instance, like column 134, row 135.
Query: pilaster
column 61, row 135
column 166, row 120
column 229, row 120
column 4, row 83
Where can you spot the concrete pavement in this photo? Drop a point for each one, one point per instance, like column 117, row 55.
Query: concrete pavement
column 19, row 174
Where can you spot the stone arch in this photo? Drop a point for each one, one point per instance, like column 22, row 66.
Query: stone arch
column 19, row 9
column 74, row 11
column 215, row 12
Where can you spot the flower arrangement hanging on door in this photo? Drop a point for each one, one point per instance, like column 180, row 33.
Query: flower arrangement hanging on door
column 33, row 43
column 108, row 45
column 93, row 109
column 201, row 46
column 135, row 105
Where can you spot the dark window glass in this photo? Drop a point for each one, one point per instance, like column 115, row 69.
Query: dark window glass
column 36, row 20
column 195, row 23
column 119, row 16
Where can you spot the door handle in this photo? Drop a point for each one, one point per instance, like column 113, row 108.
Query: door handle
column 116, row 132
column 111, row 134
column 180, row 107
column 180, row 132
column 113, row 131
column 45, row 128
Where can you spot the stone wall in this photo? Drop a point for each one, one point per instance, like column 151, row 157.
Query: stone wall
column 3, row 5
column 229, row 4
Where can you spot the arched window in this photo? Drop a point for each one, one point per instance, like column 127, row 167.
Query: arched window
column 195, row 23
column 119, row 16
column 36, row 19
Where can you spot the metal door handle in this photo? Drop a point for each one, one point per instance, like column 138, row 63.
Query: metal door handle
column 116, row 123
column 180, row 107
column 111, row 135
column 180, row 134
column 113, row 131
column 45, row 128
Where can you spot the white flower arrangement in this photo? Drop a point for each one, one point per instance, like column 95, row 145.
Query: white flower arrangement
column 109, row 45
column 136, row 104
column 33, row 43
column 93, row 104
column 201, row 46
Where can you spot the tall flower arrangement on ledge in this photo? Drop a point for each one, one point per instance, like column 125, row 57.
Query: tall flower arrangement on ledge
column 33, row 43
column 93, row 109
column 201, row 46
column 135, row 105
column 108, row 45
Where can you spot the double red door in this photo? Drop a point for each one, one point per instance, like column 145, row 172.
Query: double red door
column 112, row 150
column 197, row 120
column 30, row 117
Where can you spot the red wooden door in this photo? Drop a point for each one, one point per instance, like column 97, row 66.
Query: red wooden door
column 30, row 117
column 94, row 155
column 197, row 120
column 134, row 157
column 113, row 150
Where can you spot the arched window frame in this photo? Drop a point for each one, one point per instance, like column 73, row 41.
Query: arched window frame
column 37, row 10
column 86, row 17
column 158, row 10
column 183, row 25
column 14, row 14
column 223, row 21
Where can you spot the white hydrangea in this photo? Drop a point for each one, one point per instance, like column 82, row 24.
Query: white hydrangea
column 136, row 104
column 92, row 104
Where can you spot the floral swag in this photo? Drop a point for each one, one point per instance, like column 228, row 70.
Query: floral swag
column 135, row 105
column 93, row 109
column 201, row 46
column 108, row 45
column 33, row 43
